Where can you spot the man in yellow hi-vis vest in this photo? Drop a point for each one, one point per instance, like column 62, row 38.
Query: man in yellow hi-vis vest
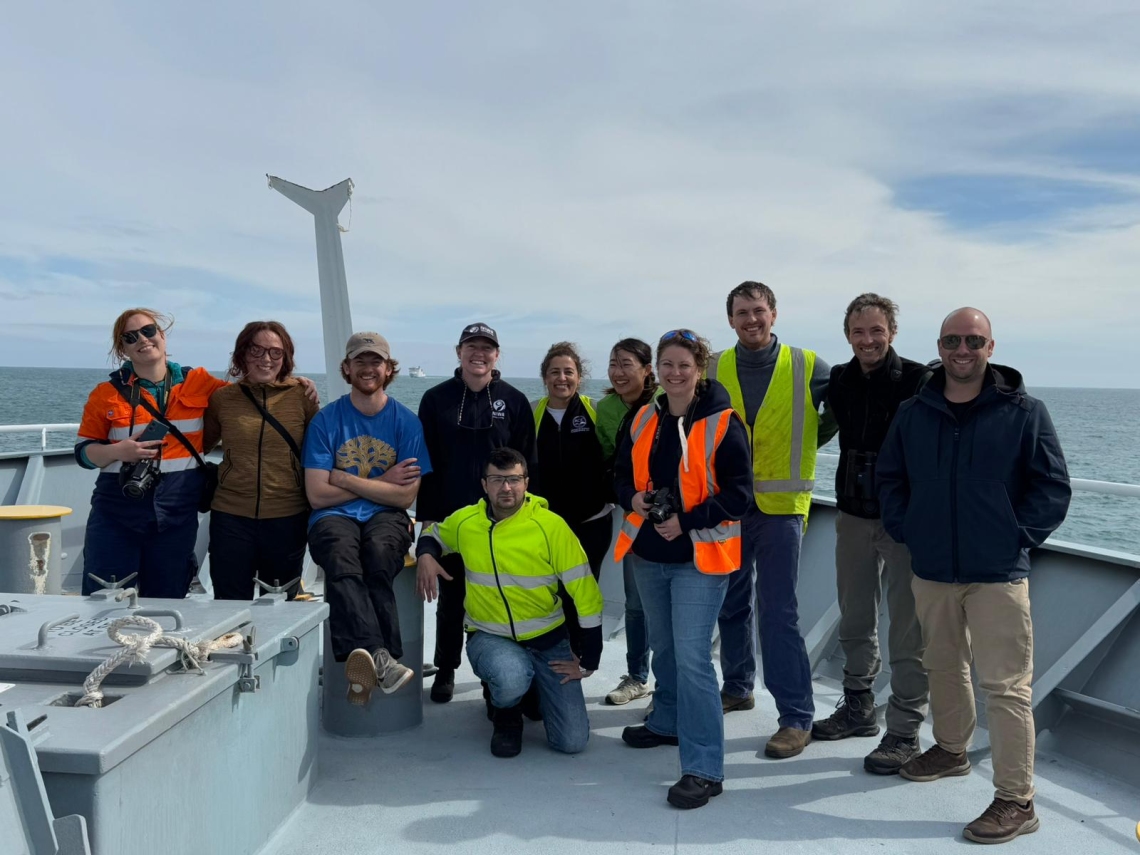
column 778, row 391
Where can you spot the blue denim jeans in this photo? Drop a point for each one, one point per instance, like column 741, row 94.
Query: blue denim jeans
column 636, row 635
column 681, row 604
column 767, row 581
column 508, row 668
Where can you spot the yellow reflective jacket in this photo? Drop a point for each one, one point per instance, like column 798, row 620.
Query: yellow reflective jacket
column 514, row 567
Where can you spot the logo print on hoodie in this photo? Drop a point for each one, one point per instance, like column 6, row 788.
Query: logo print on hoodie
column 499, row 409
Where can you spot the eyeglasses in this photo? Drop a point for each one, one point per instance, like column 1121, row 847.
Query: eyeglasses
column 974, row 342
column 131, row 336
column 500, row 480
column 257, row 351
column 687, row 335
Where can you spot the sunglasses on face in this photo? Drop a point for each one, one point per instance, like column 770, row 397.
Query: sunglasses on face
column 131, row 336
column 687, row 335
column 257, row 351
column 974, row 342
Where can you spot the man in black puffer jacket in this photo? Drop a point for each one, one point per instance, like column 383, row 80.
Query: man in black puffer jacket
column 971, row 477
column 864, row 396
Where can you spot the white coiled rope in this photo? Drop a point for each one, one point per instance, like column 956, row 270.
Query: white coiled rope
column 134, row 648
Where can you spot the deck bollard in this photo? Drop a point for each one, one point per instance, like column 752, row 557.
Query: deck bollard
column 31, row 541
column 403, row 708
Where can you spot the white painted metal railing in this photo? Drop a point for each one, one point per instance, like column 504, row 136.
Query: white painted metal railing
column 44, row 430
column 1084, row 485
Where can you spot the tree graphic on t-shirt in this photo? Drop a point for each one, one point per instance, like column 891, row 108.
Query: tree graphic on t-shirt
column 365, row 454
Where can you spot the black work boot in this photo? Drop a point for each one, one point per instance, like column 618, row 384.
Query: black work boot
column 506, row 741
column 444, row 685
column 854, row 716
column 892, row 753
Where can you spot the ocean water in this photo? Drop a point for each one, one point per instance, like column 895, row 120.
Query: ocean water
column 1097, row 428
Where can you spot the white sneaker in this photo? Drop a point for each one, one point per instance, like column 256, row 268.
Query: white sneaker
column 390, row 674
column 629, row 689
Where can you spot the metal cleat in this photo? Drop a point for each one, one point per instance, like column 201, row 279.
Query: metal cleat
column 275, row 593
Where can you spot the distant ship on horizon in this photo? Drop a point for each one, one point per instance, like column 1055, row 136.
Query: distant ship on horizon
column 416, row 371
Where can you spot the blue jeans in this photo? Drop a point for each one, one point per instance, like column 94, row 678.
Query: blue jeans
column 508, row 668
column 767, row 577
column 682, row 604
column 636, row 635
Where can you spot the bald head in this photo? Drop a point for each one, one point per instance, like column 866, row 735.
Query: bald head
column 974, row 318
column 965, row 345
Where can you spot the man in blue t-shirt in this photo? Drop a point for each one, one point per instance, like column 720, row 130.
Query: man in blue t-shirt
column 364, row 455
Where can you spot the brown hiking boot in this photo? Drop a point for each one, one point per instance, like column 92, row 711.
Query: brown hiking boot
column 1001, row 822
column 732, row 703
column 854, row 716
column 787, row 742
column 934, row 763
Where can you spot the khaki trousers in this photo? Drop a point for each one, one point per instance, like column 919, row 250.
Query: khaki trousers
column 863, row 551
column 990, row 624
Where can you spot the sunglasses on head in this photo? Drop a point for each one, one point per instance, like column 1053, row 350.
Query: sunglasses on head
column 974, row 342
column 131, row 336
column 687, row 335
column 257, row 351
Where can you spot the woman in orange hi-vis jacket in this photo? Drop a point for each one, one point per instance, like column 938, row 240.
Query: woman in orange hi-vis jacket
column 684, row 477
column 144, row 511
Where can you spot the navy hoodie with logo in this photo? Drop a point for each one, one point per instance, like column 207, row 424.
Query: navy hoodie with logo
column 461, row 429
column 971, row 497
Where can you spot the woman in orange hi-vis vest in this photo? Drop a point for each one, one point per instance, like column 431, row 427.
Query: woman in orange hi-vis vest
column 684, row 477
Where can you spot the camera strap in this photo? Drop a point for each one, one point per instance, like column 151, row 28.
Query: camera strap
column 273, row 423
column 131, row 395
column 683, row 436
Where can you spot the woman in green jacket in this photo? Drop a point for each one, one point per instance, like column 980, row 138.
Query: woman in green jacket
column 632, row 385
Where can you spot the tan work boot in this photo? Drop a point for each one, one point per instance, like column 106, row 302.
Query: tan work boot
column 1001, row 822
column 733, row 703
column 787, row 742
column 934, row 763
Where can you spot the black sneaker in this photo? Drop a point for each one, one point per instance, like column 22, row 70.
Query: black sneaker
column 891, row 754
column 642, row 737
column 693, row 792
column 854, row 716
column 444, row 685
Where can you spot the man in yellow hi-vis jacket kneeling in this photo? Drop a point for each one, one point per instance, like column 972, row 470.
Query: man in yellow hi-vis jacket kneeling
column 516, row 551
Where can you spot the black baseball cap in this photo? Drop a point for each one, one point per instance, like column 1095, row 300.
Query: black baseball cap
column 478, row 330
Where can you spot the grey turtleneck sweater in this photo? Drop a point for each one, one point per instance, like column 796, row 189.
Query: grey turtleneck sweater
column 754, row 369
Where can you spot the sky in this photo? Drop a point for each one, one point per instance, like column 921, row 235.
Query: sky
column 576, row 172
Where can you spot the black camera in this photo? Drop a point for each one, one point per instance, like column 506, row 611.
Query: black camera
column 137, row 479
column 662, row 505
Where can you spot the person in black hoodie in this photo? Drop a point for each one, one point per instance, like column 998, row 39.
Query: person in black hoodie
column 573, row 465
column 971, row 477
column 684, row 475
column 465, row 418
column 864, row 395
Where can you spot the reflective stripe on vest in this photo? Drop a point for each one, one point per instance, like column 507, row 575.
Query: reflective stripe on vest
column 716, row 550
column 784, row 433
column 522, row 628
column 539, row 407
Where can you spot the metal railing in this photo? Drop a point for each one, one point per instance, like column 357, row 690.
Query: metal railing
column 1084, row 485
column 44, row 430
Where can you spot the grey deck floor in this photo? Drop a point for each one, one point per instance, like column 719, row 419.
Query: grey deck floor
column 437, row 787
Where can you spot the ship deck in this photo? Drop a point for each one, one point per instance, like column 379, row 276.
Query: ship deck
column 437, row 786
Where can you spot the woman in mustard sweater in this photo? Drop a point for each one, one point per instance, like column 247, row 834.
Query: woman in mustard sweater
column 259, row 516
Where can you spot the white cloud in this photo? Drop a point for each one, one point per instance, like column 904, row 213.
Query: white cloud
column 583, row 173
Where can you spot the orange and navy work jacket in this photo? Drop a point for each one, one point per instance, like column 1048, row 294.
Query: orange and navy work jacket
column 715, row 550
column 107, row 418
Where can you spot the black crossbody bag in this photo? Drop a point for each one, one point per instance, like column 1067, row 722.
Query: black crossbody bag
column 209, row 469
column 273, row 423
